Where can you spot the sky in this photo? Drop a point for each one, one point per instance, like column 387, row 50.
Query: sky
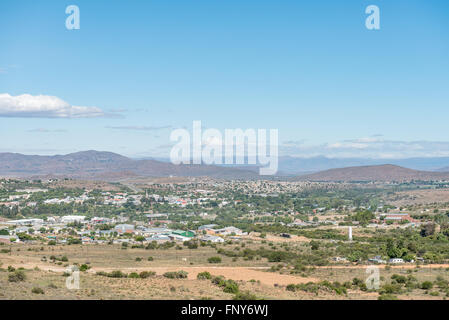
column 136, row 70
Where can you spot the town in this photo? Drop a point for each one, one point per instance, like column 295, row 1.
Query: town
column 300, row 237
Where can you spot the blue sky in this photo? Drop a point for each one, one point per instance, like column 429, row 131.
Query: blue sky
column 308, row 68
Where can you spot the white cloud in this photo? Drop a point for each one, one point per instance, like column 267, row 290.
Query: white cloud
column 44, row 130
column 42, row 106
column 139, row 128
column 375, row 148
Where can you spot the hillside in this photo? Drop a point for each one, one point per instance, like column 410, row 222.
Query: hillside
column 374, row 173
column 105, row 166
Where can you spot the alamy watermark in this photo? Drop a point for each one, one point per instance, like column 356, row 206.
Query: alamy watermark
column 373, row 280
column 72, row 282
column 372, row 22
column 73, row 20
column 212, row 147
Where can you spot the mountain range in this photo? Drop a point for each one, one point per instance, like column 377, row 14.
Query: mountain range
column 108, row 166
column 385, row 173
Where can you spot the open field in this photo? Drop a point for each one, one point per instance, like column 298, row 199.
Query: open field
column 253, row 276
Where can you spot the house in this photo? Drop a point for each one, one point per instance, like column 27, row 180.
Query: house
column 177, row 237
column 377, row 259
column 104, row 233
column 397, row 217
column 186, row 234
column 207, row 227
column 5, row 239
column 229, row 231
column 158, row 238
column 124, row 228
column 396, row 260
column 157, row 231
column 157, row 216
column 21, row 230
column 213, row 239
column 100, row 220
column 72, row 219
column 25, row 222
column 339, row 259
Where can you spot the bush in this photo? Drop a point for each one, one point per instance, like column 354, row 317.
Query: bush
column 204, row 276
column 37, row 290
column 133, row 275
column 426, row 285
column 146, row 274
column 84, row 267
column 176, row 275
column 214, row 260
column 390, row 288
column 113, row 274
column 219, row 281
column 291, row 287
column 387, row 297
column 231, row 287
column 150, row 259
column 398, row 278
column 17, row 276
column 245, row 296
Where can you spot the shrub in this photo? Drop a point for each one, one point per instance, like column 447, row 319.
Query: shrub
column 134, row 275
column 176, row 275
column 37, row 290
column 84, row 267
column 245, row 296
column 146, row 274
column 426, row 285
column 150, row 259
column 231, row 287
column 138, row 259
column 17, row 276
column 204, row 276
column 291, row 287
column 387, row 297
column 214, row 260
column 219, row 281
column 390, row 288
column 398, row 278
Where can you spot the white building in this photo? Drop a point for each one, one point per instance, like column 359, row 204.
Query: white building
column 71, row 219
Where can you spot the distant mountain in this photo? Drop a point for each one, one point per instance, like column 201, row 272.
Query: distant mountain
column 293, row 166
column 106, row 166
column 374, row 173
column 296, row 165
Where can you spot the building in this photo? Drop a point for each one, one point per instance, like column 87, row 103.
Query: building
column 157, row 216
column 396, row 217
column 229, row 231
column 187, row 234
column 396, row 260
column 100, row 220
column 72, row 219
column 213, row 239
column 124, row 228
column 25, row 222
column 158, row 238
column 377, row 259
column 207, row 227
